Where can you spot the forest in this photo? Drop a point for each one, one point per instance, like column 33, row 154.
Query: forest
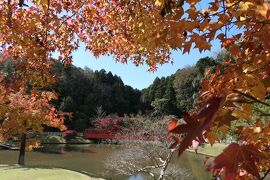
column 83, row 92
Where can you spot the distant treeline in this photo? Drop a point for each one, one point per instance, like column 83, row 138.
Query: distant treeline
column 88, row 94
column 85, row 92
column 176, row 94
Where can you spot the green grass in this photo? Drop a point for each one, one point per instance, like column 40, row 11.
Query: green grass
column 209, row 150
column 16, row 172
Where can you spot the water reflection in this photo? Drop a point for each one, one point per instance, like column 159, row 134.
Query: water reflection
column 138, row 177
column 91, row 159
column 62, row 149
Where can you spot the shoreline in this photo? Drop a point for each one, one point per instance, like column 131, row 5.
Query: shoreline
column 199, row 153
column 68, row 143
column 208, row 150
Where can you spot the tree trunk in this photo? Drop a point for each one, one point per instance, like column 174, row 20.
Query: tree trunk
column 22, row 149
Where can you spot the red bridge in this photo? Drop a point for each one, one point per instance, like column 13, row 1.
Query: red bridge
column 98, row 134
column 105, row 134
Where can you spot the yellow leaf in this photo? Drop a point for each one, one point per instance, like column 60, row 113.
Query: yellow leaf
column 159, row 2
column 212, row 137
column 244, row 6
column 244, row 113
column 242, row 18
column 263, row 9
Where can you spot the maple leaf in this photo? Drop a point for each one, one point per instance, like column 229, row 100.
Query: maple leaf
column 236, row 157
column 228, row 42
column 195, row 125
column 187, row 47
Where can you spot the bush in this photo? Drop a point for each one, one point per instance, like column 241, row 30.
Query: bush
column 69, row 134
column 109, row 123
column 50, row 139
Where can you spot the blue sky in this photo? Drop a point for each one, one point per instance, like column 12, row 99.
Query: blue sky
column 139, row 77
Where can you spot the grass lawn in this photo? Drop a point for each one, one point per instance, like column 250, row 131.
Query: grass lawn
column 209, row 150
column 16, row 172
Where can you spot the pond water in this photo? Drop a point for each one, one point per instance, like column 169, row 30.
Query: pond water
column 91, row 160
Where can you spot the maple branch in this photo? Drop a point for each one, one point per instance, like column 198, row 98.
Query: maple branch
column 225, row 9
column 266, row 21
column 261, row 112
column 251, row 97
column 263, row 22
column 21, row 3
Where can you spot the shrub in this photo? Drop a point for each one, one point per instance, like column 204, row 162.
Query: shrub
column 69, row 134
column 109, row 123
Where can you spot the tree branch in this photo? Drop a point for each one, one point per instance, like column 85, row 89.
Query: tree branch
column 166, row 163
column 251, row 97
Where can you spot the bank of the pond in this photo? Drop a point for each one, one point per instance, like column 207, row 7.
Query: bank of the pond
column 51, row 139
column 204, row 149
column 9, row 172
column 209, row 150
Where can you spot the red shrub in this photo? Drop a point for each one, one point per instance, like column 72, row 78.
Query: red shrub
column 109, row 123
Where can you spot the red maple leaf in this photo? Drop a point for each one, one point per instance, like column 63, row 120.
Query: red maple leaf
column 196, row 124
column 236, row 157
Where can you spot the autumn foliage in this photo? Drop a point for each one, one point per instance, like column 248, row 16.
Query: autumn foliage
column 146, row 31
column 110, row 123
column 27, row 112
column 236, row 158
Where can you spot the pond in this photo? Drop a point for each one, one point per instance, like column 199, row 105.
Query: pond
column 91, row 159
